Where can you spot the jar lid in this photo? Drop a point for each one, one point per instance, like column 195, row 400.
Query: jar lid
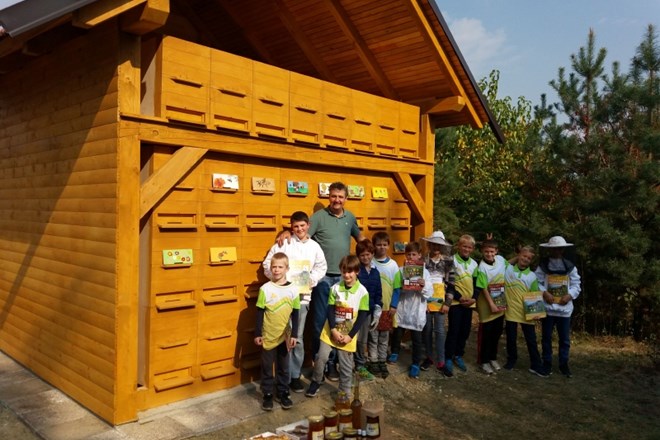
column 330, row 414
column 315, row 419
column 350, row 431
column 334, row 436
column 345, row 412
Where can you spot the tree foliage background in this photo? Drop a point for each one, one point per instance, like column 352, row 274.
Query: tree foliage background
column 585, row 168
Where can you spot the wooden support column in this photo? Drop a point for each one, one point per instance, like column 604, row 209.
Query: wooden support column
column 127, row 250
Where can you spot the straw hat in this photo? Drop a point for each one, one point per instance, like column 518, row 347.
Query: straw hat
column 437, row 237
column 556, row 242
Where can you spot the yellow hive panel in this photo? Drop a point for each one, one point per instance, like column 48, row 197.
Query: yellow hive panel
column 231, row 91
column 306, row 108
column 270, row 105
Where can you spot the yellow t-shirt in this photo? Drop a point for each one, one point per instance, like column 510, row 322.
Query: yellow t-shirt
column 516, row 284
column 348, row 303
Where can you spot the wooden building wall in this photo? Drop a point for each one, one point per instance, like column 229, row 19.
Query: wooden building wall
column 58, row 215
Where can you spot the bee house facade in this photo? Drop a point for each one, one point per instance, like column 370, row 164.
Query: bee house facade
column 151, row 151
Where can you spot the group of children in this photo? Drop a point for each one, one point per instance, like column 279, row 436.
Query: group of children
column 376, row 298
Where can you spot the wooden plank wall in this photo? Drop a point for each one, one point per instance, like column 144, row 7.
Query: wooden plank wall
column 58, row 215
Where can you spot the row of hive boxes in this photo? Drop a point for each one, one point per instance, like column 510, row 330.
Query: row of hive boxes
column 185, row 258
column 216, row 89
column 200, row 336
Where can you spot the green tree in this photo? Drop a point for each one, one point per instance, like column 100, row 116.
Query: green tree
column 599, row 177
column 478, row 180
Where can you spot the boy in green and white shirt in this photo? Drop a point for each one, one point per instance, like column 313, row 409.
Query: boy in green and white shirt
column 278, row 304
column 348, row 310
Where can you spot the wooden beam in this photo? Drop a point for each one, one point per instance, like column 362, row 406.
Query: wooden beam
column 151, row 130
column 206, row 37
column 100, row 11
column 452, row 104
column 363, row 51
column 127, row 263
column 147, row 18
column 299, row 36
column 230, row 9
column 407, row 186
column 160, row 182
column 441, row 59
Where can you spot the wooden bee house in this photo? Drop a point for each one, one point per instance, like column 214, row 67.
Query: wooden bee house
column 151, row 150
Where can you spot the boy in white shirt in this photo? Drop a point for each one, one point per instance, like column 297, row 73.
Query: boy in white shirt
column 307, row 266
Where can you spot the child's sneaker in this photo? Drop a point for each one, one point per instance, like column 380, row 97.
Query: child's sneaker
column 384, row 372
column 313, row 389
column 332, row 374
column 393, row 358
column 460, row 364
column 496, row 366
column 374, row 368
column 284, row 400
column 426, row 364
column 448, row 371
column 364, row 374
column 565, row 370
column 440, row 366
column 539, row 371
column 509, row 365
column 487, row 368
column 414, row 371
column 267, row 403
column 296, row 386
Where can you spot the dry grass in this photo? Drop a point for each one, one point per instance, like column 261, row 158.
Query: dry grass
column 614, row 394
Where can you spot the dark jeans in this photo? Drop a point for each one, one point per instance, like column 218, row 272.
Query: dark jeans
column 417, row 346
column 458, row 330
column 530, row 339
column 280, row 357
column 319, row 304
column 490, row 333
column 563, row 332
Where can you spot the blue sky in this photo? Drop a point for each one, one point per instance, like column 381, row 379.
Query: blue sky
column 528, row 40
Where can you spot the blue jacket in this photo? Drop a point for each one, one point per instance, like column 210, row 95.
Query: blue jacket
column 371, row 281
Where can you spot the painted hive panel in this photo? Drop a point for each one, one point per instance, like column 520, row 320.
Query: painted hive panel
column 57, row 217
column 206, row 261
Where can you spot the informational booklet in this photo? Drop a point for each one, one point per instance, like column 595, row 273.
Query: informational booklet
column 413, row 275
column 299, row 274
column 534, row 306
column 557, row 286
column 496, row 291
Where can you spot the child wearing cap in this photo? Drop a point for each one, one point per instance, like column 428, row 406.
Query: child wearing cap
column 440, row 264
column 560, row 282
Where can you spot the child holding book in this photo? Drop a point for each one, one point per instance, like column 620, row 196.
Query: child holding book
column 440, row 264
column 560, row 282
column 519, row 280
column 390, row 281
column 460, row 311
column 277, row 319
column 410, row 305
column 348, row 310
column 490, row 305
column 370, row 278
column 307, row 267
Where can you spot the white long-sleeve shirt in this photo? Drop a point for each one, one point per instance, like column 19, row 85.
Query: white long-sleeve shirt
column 300, row 251
column 556, row 264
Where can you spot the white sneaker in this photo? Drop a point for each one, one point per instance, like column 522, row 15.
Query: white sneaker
column 487, row 368
column 495, row 365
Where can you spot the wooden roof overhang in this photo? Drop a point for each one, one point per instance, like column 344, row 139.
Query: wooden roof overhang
column 399, row 49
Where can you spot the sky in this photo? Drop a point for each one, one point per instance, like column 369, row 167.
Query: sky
column 528, row 40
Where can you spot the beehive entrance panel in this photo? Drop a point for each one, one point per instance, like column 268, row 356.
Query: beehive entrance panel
column 209, row 237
